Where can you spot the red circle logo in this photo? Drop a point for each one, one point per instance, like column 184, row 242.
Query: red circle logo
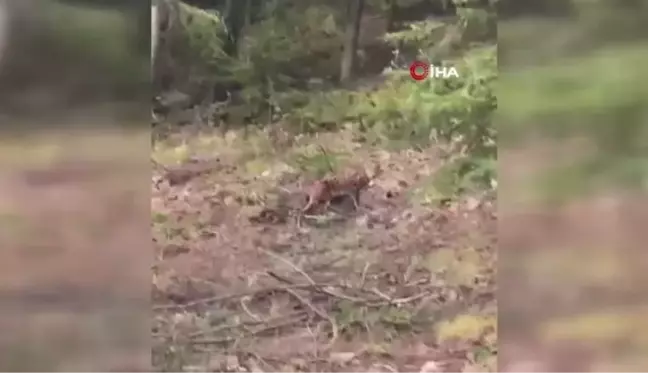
column 418, row 65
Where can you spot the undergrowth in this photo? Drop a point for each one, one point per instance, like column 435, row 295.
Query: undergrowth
column 278, row 71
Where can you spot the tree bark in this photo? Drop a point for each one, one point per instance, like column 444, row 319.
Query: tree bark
column 154, row 29
column 235, row 19
column 392, row 15
column 352, row 35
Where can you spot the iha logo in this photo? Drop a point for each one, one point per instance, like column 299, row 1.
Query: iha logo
column 420, row 70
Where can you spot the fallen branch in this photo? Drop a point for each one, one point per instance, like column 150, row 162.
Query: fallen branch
column 225, row 340
column 220, row 298
column 222, row 328
column 304, row 301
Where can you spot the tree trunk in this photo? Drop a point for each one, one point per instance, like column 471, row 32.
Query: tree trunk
column 235, row 19
column 154, row 29
column 392, row 15
column 352, row 35
column 164, row 31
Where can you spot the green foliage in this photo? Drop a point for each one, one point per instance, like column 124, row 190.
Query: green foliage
column 404, row 112
column 422, row 34
column 275, row 54
column 318, row 162
column 478, row 24
column 440, row 109
column 466, row 327
column 205, row 34
column 466, row 174
column 279, row 51
column 351, row 317
column 457, row 268
column 454, row 110
column 284, row 50
column 319, row 110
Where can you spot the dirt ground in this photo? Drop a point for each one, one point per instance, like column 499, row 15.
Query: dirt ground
column 403, row 284
column 243, row 283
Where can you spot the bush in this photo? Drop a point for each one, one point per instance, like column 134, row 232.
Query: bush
column 455, row 111
column 403, row 112
column 279, row 57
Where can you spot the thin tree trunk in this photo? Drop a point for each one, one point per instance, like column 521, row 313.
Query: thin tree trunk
column 236, row 19
column 352, row 36
column 154, row 29
column 392, row 14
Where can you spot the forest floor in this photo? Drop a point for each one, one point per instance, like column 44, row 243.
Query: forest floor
column 403, row 283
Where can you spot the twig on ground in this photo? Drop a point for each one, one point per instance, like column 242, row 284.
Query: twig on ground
column 280, row 278
column 264, row 329
column 220, row 298
column 400, row 301
column 304, row 301
column 247, row 310
column 261, row 325
column 322, row 288
column 244, row 324
column 363, row 279
column 396, row 301
column 320, row 313
column 289, row 264
column 213, row 341
column 382, row 295
column 316, row 352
